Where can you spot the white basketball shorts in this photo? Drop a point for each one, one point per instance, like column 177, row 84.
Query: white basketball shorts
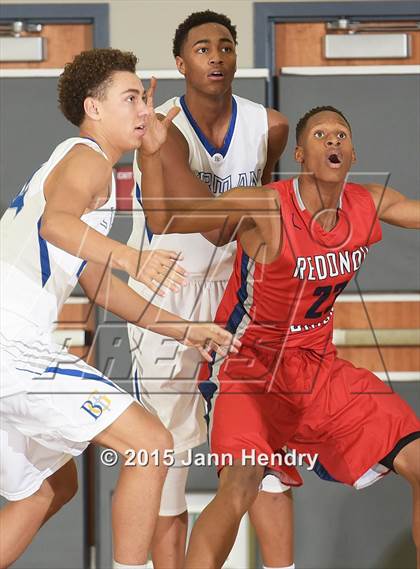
column 64, row 405
column 165, row 372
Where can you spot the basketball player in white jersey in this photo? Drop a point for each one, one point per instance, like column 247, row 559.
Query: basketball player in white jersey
column 217, row 142
column 54, row 234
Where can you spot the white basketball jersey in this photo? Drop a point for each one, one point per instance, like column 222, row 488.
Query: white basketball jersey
column 240, row 162
column 37, row 277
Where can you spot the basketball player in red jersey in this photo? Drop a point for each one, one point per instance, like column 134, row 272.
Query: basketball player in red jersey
column 286, row 386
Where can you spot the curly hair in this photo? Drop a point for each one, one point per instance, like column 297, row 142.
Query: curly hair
column 197, row 19
column 89, row 75
column 300, row 127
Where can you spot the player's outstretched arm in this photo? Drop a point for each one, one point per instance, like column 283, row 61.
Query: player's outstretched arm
column 395, row 208
column 188, row 214
column 108, row 291
column 80, row 183
column 228, row 211
column 250, row 214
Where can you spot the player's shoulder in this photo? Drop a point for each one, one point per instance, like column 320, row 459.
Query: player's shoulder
column 281, row 185
column 283, row 188
column 179, row 127
column 165, row 107
column 248, row 105
column 359, row 190
column 363, row 195
column 83, row 162
column 276, row 118
column 373, row 188
column 251, row 116
column 82, row 153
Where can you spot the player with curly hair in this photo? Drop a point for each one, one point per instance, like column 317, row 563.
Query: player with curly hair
column 55, row 234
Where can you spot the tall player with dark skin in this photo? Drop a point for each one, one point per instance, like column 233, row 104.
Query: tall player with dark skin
column 325, row 152
column 208, row 62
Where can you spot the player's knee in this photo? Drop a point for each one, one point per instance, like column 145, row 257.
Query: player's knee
column 66, row 493
column 67, row 483
column 241, row 496
column 158, row 446
column 161, row 439
column 55, row 495
column 407, row 463
column 411, row 471
column 239, row 487
column 142, row 430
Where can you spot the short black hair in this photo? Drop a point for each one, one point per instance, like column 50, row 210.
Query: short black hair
column 300, row 127
column 197, row 19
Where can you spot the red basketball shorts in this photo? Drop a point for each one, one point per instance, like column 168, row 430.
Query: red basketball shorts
column 260, row 401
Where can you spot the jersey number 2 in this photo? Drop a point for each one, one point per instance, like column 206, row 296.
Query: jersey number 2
column 323, row 292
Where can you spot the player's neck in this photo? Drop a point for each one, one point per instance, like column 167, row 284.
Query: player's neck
column 112, row 152
column 212, row 113
column 321, row 196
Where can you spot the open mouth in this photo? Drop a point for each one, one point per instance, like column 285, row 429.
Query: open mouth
column 216, row 74
column 140, row 128
column 335, row 160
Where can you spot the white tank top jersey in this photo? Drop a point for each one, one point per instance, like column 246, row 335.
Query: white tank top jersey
column 240, row 162
column 37, row 277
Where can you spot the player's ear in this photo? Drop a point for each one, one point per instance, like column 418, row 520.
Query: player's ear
column 91, row 108
column 353, row 156
column 180, row 64
column 299, row 154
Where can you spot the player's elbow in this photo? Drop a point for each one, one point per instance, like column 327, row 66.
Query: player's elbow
column 157, row 224
column 50, row 230
column 165, row 223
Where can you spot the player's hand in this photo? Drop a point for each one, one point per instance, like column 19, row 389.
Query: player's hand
column 156, row 129
column 207, row 338
column 157, row 269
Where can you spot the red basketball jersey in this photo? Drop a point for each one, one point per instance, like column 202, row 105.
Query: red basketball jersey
column 290, row 301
